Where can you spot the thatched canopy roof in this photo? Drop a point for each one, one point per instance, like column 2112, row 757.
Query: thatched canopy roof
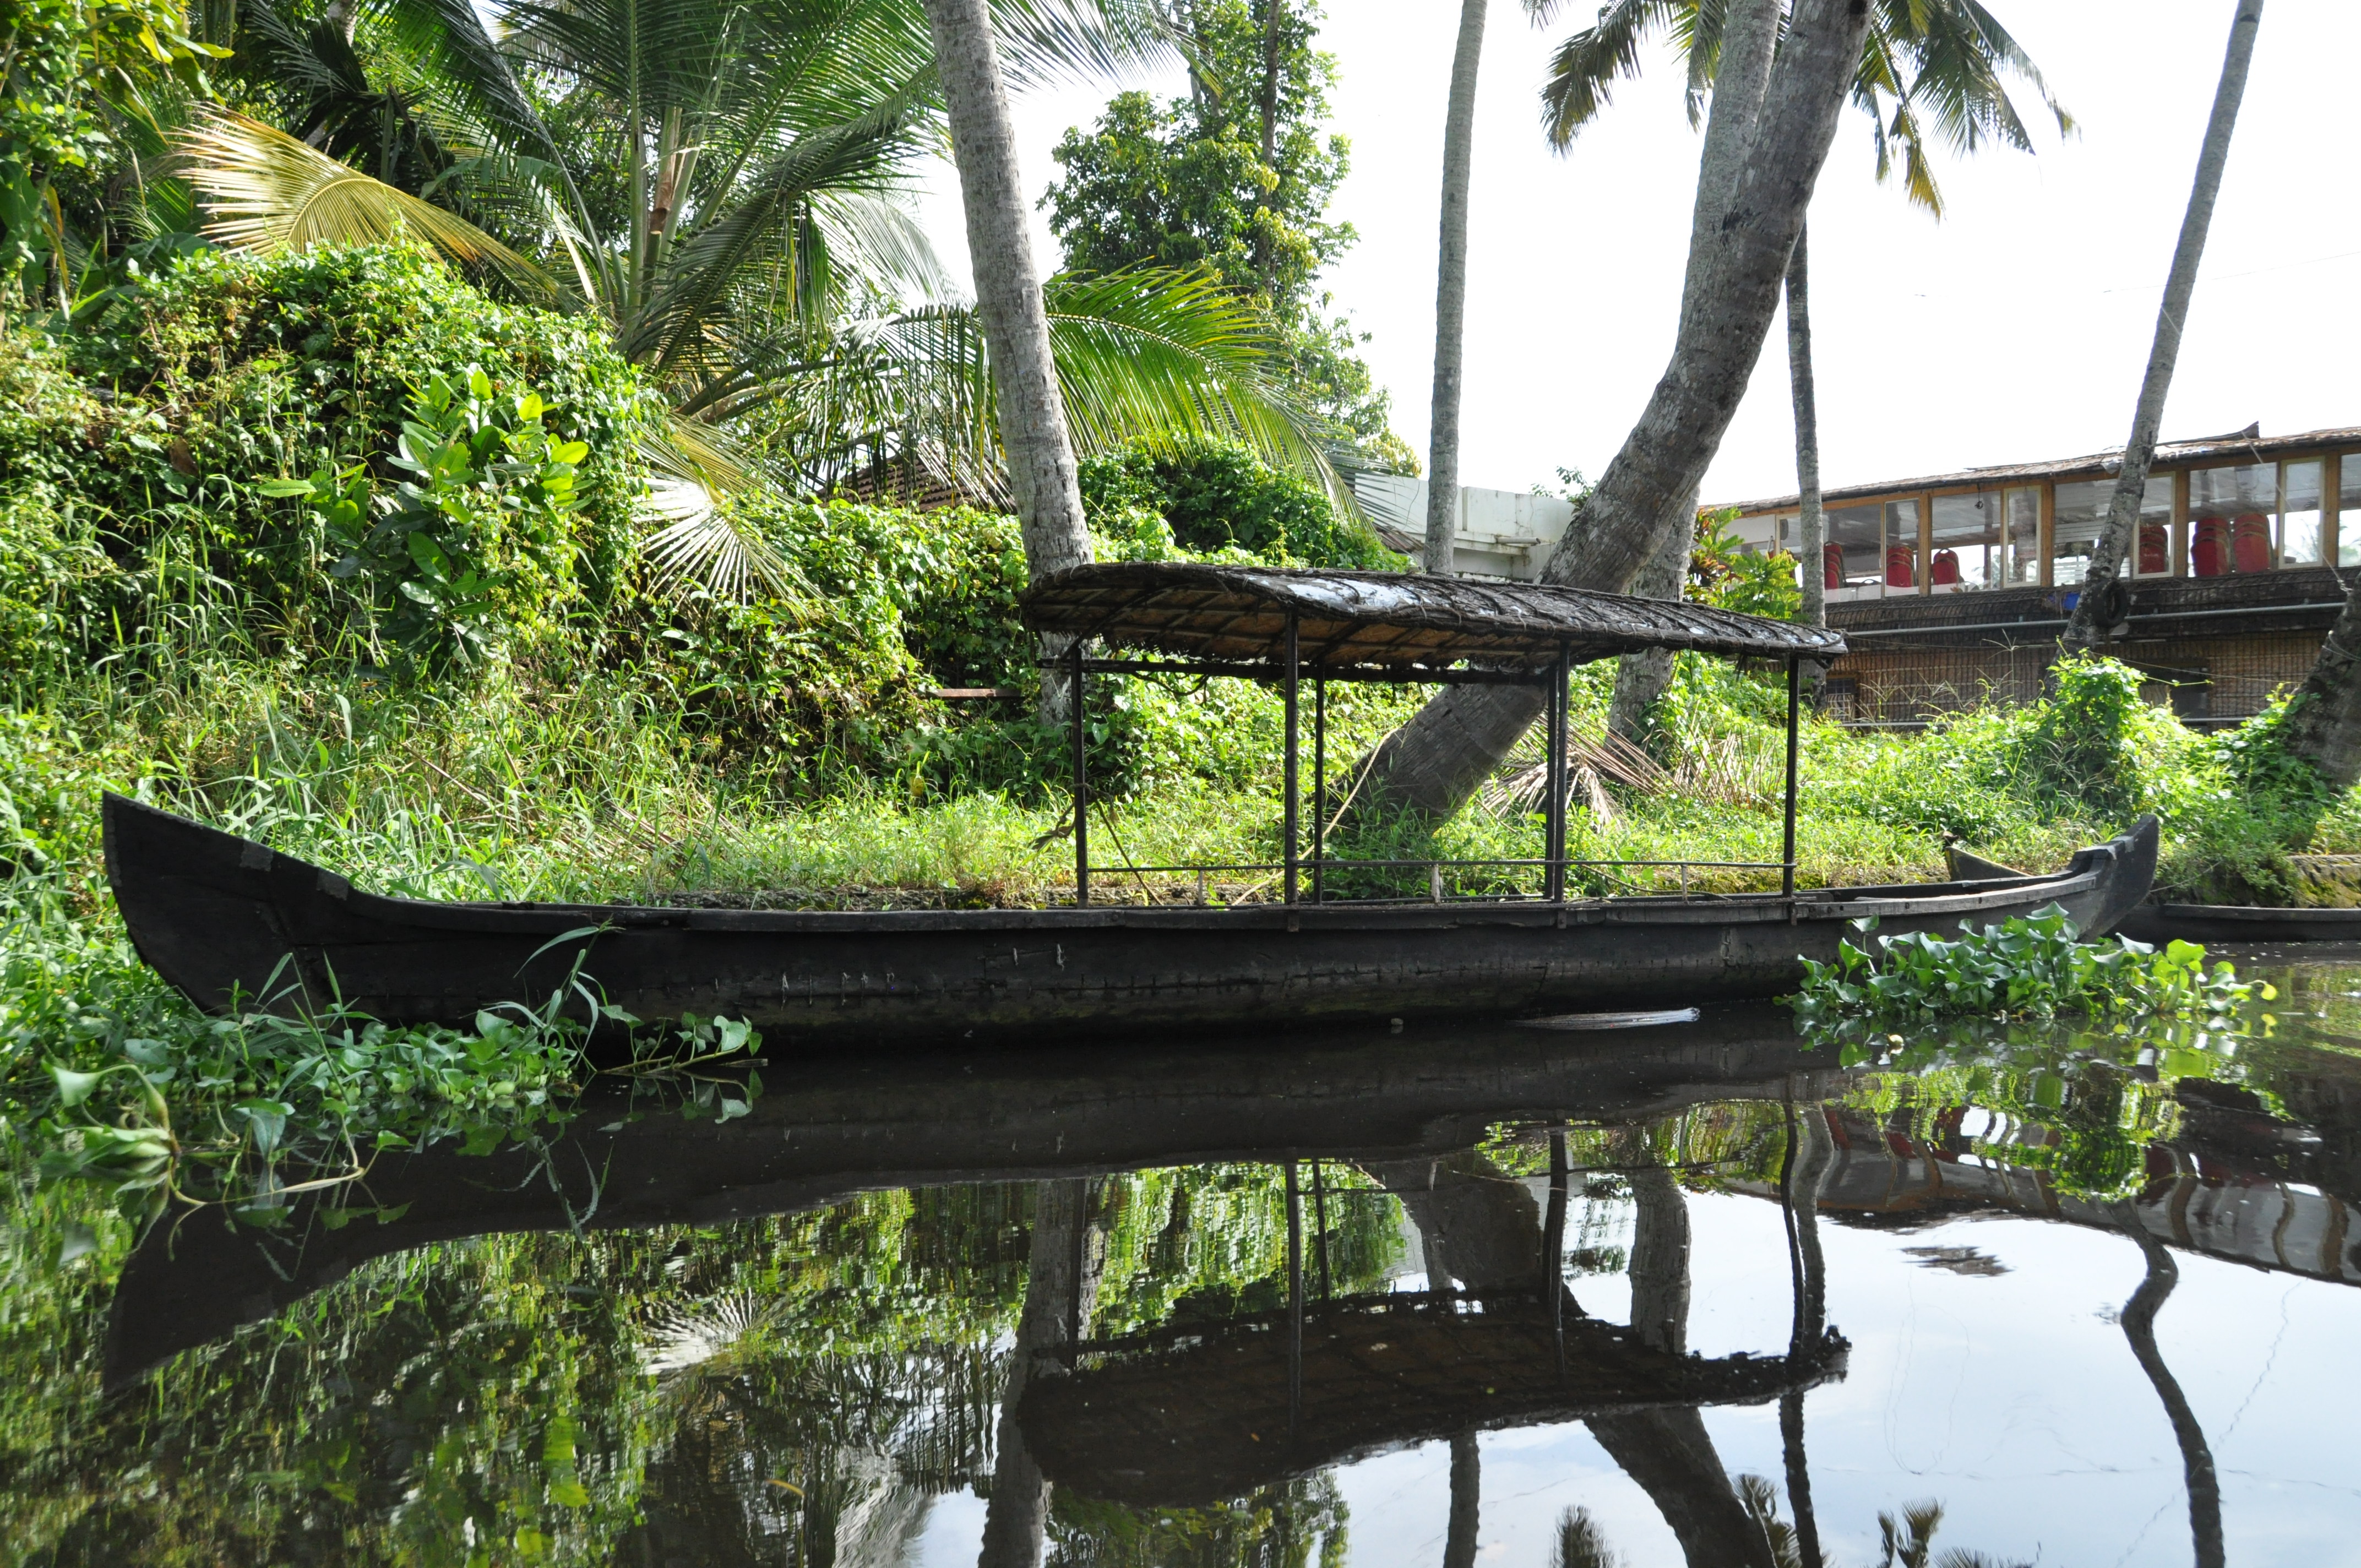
column 1192, row 1413
column 1346, row 619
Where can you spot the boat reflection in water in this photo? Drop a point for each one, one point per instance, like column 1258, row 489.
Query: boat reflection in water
column 1183, row 1307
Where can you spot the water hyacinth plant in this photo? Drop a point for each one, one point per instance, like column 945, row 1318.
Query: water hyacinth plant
column 2034, row 966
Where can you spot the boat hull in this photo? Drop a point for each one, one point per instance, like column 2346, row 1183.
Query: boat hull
column 232, row 923
column 2217, row 923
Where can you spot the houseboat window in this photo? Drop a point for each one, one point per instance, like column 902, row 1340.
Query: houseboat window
column 2300, row 513
column 1901, row 547
column 1968, row 548
column 2230, row 514
column 2024, row 538
column 2152, row 551
column 2348, row 502
column 1853, row 560
column 2082, row 512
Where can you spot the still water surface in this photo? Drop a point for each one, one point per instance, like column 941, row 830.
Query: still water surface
column 1668, row 1295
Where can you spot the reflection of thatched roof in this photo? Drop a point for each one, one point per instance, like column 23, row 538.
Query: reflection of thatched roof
column 1385, row 619
column 1187, row 1416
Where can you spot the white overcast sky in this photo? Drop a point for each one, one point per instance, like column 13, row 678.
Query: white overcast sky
column 2014, row 330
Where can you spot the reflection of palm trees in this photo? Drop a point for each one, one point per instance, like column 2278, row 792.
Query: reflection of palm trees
column 1581, row 1543
column 1481, row 1230
column 1060, row 1289
column 1668, row 1453
column 2139, row 1327
column 1808, row 1150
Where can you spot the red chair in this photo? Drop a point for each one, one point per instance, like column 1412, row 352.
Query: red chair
column 2209, row 547
column 2250, row 544
column 2155, row 550
column 1901, row 566
column 1945, row 567
column 1832, row 566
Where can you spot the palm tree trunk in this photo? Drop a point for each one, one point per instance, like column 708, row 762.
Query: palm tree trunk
column 1737, row 271
column 1008, row 304
column 1668, row 1452
column 1809, row 1166
column 1060, row 1290
column 1640, row 678
column 1811, row 523
column 2139, row 1327
column 2089, row 625
column 1459, row 1540
column 1450, row 292
column 2323, row 722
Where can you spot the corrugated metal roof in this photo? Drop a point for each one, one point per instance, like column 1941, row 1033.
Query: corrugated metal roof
column 2243, row 446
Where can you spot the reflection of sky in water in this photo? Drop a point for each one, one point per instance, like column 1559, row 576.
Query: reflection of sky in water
column 2011, row 1399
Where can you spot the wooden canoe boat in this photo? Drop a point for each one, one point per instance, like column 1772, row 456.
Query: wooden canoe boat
column 2213, row 923
column 225, row 919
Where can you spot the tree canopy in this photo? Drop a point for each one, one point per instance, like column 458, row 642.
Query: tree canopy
column 1234, row 177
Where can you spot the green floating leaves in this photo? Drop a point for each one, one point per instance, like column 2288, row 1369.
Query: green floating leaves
column 2033, row 966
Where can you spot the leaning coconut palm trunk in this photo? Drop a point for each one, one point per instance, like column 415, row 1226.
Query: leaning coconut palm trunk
column 1450, row 292
column 1640, row 678
column 1737, row 269
column 1041, row 471
column 2095, row 609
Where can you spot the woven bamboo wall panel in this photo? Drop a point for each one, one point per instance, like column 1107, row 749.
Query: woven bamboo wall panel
column 2199, row 677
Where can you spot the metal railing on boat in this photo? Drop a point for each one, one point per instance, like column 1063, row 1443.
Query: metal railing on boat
column 1292, row 867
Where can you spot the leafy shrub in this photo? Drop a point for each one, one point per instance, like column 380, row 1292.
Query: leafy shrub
column 206, row 390
column 1724, row 574
column 1218, row 496
column 476, row 545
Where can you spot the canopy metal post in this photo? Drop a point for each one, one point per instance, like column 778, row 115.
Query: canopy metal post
column 1320, row 1228
column 1081, row 789
column 1294, row 780
column 1319, row 815
column 1294, row 1301
column 1553, row 819
column 1554, row 1248
column 1787, row 854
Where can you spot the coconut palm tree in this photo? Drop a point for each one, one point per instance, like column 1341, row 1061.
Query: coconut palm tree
column 1778, row 141
column 1451, row 291
column 721, row 184
column 2093, row 615
column 1933, row 71
column 1015, row 320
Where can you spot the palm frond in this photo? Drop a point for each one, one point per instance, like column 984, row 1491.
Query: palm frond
column 702, row 539
column 265, row 192
column 884, row 243
column 712, row 262
column 1152, row 354
column 1046, row 42
column 1584, row 69
column 474, row 76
